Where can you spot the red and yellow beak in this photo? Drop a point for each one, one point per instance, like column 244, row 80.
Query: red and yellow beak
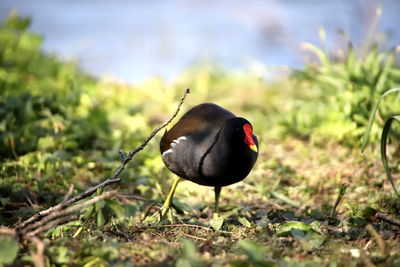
column 248, row 139
column 254, row 148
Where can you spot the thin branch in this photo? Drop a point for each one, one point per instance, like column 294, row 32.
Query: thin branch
column 121, row 234
column 378, row 239
column 135, row 197
column 136, row 150
column 342, row 191
column 123, row 154
column 38, row 256
column 68, row 210
column 113, row 179
column 6, row 230
column 175, row 226
column 387, row 219
column 183, row 225
column 69, row 193
column 54, row 223
column 365, row 259
column 63, row 205
column 194, row 237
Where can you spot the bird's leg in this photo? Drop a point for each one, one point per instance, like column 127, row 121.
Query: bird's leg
column 160, row 215
column 217, row 191
column 168, row 201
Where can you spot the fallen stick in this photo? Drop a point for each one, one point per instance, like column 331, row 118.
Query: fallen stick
column 67, row 211
column 113, row 179
column 387, row 219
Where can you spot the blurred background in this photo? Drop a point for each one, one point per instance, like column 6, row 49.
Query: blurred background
column 306, row 73
column 132, row 40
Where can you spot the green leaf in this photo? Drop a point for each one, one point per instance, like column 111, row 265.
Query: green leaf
column 285, row 199
column 317, row 214
column 297, row 234
column 100, row 218
column 99, row 205
column 255, row 252
column 309, row 240
column 189, row 256
column 286, row 228
column 89, row 212
column 99, row 191
column 130, row 210
column 216, row 223
column 8, row 249
column 244, row 222
column 367, row 132
column 189, row 250
column 315, row 239
column 116, row 208
column 385, row 135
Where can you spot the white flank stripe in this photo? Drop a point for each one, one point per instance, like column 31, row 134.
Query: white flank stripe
column 173, row 144
column 182, row 138
column 166, row 152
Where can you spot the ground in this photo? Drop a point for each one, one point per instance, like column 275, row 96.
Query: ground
column 293, row 181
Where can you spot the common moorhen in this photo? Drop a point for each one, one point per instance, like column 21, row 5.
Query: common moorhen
column 210, row 146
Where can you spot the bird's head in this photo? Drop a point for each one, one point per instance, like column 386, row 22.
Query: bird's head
column 241, row 133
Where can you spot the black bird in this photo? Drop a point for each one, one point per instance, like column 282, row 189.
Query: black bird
column 210, row 146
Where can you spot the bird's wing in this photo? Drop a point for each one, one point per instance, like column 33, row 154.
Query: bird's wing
column 201, row 118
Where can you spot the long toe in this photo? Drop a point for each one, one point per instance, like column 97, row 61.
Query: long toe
column 157, row 217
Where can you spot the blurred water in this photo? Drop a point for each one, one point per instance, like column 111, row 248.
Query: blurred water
column 132, row 40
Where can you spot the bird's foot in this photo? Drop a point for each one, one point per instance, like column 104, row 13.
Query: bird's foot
column 162, row 214
column 159, row 216
column 217, row 221
column 215, row 215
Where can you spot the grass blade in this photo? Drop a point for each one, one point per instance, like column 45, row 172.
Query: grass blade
column 385, row 134
column 365, row 137
column 321, row 55
column 342, row 191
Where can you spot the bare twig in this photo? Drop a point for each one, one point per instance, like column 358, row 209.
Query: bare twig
column 67, row 211
column 65, row 204
column 121, row 234
column 378, row 239
column 387, row 219
column 46, row 226
column 113, row 179
column 123, row 154
column 134, row 197
column 176, row 226
column 7, row 231
column 342, row 191
column 38, row 256
column 183, row 225
column 365, row 259
column 69, row 193
column 194, row 237
column 136, row 150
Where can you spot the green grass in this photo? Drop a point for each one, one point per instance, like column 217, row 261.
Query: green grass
column 59, row 126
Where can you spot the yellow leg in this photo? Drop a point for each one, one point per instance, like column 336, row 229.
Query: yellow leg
column 217, row 191
column 168, row 201
column 160, row 215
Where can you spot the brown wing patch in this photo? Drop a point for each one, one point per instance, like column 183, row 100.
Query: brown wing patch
column 200, row 118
